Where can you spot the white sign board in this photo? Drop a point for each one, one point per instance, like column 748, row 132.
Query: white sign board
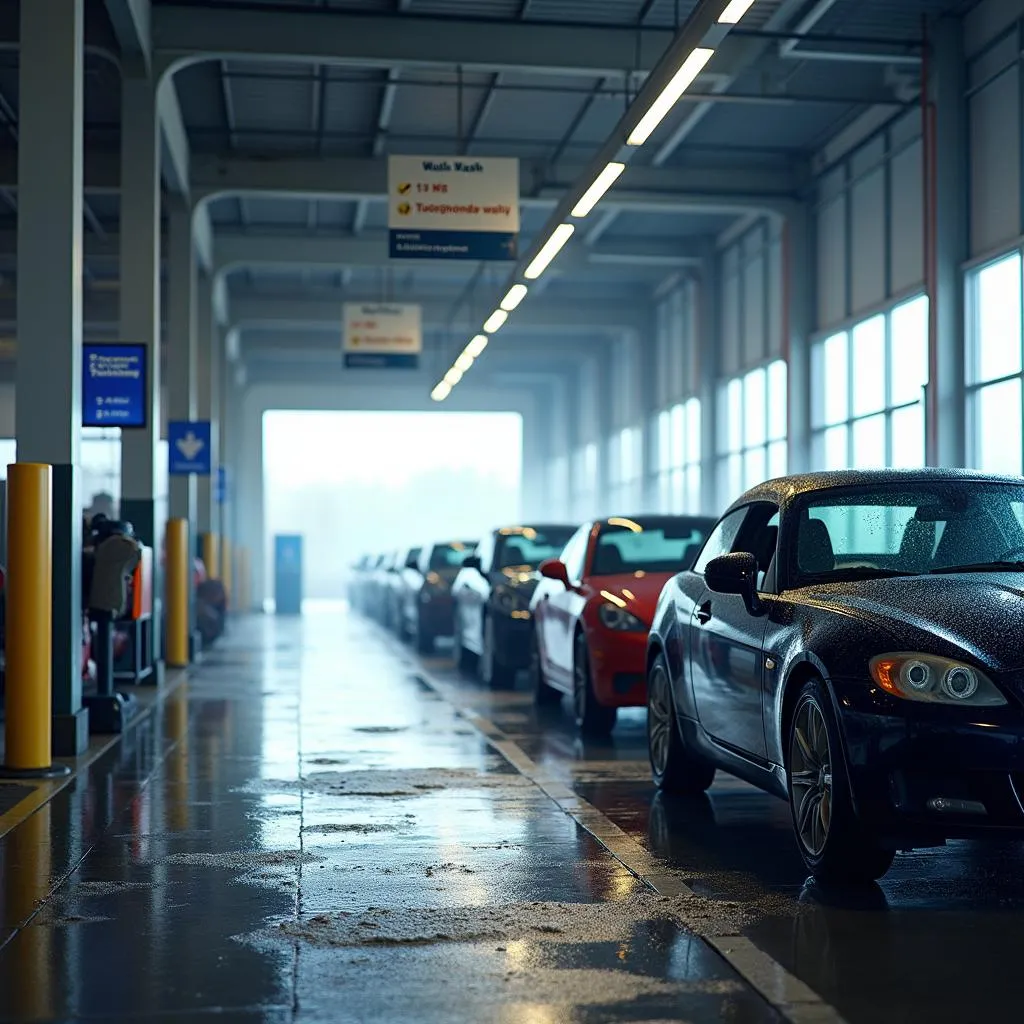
column 382, row 334
column 453, row 207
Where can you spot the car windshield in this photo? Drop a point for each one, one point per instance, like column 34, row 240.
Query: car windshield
column 646, row 545
column 945, row 526
column 451, row 556
column 528, row 546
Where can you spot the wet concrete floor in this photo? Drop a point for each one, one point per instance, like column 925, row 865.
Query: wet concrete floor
column 310, row 830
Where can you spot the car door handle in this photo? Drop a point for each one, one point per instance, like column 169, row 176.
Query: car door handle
column 704, row 612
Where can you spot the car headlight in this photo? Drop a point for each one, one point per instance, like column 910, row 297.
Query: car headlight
column 614, row 617
column 932, row 680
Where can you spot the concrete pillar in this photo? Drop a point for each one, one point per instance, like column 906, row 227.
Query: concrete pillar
column 181, row 353
column 947, row 414
column 207, row 400
column 799, row 273
column 142, row 504
column 48, row 375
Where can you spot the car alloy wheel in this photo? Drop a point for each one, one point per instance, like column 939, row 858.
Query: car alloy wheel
column 659, row 720
column 674, row 768
column 810, row 758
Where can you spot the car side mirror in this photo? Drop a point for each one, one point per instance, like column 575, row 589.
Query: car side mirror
column 554, row 569
column 473, row 562
column 735, row 573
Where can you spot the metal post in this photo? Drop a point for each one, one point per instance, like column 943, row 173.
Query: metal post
column 142, row 502
column 709, row 346
column 48, row 414
column 207, row 399
column 798, row 312
column 950, row 151
column 179, row 585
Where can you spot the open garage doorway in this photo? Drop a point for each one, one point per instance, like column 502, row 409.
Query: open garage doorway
column 355, row 483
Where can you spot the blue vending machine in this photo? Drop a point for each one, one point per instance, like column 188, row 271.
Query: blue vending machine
column 288, row 574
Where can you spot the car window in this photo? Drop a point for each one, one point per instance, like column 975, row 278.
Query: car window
column 450, row 556
column 760, row 537
column 895, row 529
column 656, row 545
column 722, row 538
column 528, row 546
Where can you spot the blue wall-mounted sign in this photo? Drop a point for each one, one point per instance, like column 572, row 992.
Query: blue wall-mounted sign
column 114, row 385
column 188, row 448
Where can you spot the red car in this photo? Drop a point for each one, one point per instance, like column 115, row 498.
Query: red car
column 594, row 606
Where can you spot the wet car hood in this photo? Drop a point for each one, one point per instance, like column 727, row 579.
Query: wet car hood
column 982, row 614
column 640, row 593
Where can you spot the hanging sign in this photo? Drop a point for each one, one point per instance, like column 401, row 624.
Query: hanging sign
column 382, row 335
column 113, row 385
column 453, row 208
column 189, row 448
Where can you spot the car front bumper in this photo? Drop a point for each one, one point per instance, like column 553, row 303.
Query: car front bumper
column 923, row 772
column 618, row 665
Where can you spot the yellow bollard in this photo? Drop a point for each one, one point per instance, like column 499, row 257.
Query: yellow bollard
column 226, row 565
column 29, row 639
column 179, row 580
column 211, row 555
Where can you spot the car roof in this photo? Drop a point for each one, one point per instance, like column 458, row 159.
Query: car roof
column 784, row 489
column 516, row 530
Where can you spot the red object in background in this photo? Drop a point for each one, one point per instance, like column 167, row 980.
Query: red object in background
column 618, row 657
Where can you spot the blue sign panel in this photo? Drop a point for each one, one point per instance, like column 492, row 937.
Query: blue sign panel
column 288, row 574
column 381, row 360
column 188, row 448
column 114, row 385
column 453, row 245
column 220, row 494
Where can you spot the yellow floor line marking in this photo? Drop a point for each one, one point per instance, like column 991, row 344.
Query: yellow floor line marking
column 787, row 994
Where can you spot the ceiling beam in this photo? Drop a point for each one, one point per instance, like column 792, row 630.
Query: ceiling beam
column 726, row 188
column 184, row 34
column 130, row 20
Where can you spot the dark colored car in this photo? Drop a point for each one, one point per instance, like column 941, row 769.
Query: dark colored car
column 427, row 611
column 852, row 642
column 593, row 608
column 492, row 599
column 357, row 581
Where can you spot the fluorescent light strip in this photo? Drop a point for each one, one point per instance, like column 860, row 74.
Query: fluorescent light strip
column 495, row 321
column 477, row 345
column 681, row 81
column 732, row 14
column 602, row 183
column 464, row 362
column 516, row 294
column 550, row 250
column 453, row 376
column 441, row 392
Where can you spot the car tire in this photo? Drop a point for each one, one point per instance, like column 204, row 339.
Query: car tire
column 834, row 844
column 592, row 718
column 493, row 671
column 543, row 694
column 464, row 659
column 674, row 768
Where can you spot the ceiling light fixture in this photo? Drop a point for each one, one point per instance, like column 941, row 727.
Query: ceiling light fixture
column 464, row 362
column 453, row 376
column 602, row 183
column 477, row 345
column 495, row 321
column 516, row 294
column 679, row 83
column 734, row 11
column 549, row 251
column 441, row 392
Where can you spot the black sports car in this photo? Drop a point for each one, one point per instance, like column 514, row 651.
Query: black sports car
column 852, row 642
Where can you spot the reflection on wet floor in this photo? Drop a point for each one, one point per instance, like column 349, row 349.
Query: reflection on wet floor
column 310, row 831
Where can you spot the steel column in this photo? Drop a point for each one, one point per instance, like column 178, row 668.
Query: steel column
column 207, row 399
column 48, row 413
column 798, row 270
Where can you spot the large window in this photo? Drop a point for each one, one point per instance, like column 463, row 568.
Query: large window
column 867, row 388
column 752, row 428
column 994, row 366
column 584, row 481
column 626, row 491
column 678, row 477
